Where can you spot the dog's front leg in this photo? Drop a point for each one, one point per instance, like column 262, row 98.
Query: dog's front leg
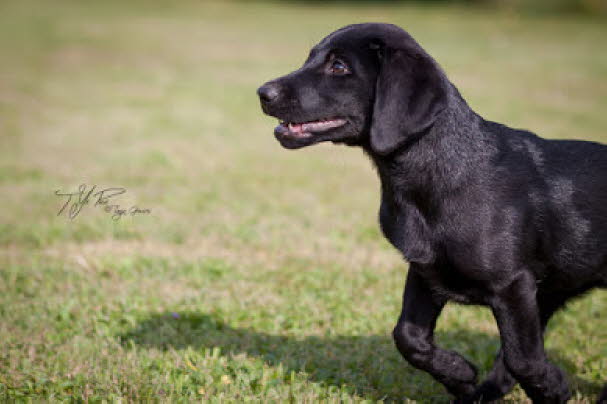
column 414, row 337
column 518, row 318
column 499, row 382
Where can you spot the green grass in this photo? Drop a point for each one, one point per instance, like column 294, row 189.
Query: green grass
column 260, row 274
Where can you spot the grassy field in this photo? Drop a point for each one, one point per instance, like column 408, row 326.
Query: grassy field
column 259, row 273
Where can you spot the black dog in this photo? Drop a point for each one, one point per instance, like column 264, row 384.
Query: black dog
column 485, row 214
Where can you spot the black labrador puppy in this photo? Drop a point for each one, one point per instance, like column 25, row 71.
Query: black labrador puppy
column 484, row 214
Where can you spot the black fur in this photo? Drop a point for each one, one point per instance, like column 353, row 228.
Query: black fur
column 485, row 214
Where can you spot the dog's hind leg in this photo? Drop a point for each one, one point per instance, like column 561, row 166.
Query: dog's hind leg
column 414, row 338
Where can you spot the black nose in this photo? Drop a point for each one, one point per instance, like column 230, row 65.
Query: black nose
column 268, row 92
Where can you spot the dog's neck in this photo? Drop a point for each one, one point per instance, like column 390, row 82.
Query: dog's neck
column 438, row 162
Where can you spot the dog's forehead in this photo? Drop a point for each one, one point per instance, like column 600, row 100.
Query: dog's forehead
column 356, row 35
column 347, row 37
column 339, row 41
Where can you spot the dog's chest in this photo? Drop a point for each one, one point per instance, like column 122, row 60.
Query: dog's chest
column 406, row 229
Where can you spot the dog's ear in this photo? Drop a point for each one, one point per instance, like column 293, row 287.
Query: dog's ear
column 410, row 93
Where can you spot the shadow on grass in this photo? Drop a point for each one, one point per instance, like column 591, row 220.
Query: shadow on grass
column 368, row 366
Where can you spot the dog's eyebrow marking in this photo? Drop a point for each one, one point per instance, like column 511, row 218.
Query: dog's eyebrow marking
column 316, row 52
column 313, row 53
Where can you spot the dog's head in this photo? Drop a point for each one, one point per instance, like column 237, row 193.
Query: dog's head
column 364, row 84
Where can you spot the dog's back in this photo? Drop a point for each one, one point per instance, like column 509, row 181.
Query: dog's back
column 564, row 186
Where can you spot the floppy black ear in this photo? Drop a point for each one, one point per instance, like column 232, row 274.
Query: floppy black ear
column 410, row 93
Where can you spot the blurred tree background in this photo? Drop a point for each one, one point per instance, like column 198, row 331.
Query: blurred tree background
column 555, row 6
column 588, row 7
column 598, row 7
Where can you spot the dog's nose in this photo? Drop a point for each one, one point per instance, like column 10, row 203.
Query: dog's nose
column 268, row 92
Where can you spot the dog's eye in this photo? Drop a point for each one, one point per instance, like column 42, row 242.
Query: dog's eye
column 338, row 67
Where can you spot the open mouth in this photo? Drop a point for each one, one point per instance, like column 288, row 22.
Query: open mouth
column 307, row 129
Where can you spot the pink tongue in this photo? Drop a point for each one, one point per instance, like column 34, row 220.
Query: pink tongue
column 295, row 127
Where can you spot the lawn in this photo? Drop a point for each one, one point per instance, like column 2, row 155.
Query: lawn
column 250, row 272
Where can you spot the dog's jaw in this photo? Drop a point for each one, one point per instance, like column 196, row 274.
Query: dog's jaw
column 307, row 129
column 296, row 135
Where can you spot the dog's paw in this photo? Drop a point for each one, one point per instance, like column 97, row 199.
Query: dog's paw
column 491, row 390
column 552, row 389
column 463, row 393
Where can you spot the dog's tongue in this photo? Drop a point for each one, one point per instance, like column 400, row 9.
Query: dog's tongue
column 296, row 127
